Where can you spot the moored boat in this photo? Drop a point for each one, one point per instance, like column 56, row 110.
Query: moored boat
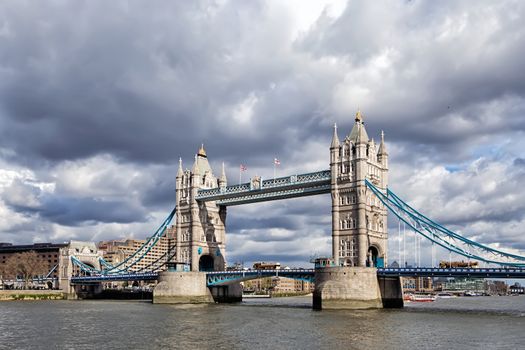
column 422, row 297
column 444, row 295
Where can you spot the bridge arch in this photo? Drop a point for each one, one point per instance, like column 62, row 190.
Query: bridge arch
column 223, row 278
column 373, row 256
column 348, row 262
column 206, row 263
column 78, row 271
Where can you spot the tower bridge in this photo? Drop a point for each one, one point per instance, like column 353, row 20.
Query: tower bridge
column 355, row 275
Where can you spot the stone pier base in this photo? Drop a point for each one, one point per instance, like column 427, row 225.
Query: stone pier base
column 89, row 291
column 354, row 288
column 391, row 292
column 182, row 288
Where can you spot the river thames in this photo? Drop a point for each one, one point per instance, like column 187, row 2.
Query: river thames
column 281, row 323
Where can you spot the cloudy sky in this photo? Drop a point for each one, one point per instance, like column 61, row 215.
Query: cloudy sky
column 98, row 100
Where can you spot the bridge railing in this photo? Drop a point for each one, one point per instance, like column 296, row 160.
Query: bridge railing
column 490, row 272
column 226, row 277
column 281, row 182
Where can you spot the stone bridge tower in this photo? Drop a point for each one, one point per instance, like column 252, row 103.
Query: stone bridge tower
column 200, row 226
column 359, row 219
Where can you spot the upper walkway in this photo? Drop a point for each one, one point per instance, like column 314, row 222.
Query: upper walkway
column 259, row 190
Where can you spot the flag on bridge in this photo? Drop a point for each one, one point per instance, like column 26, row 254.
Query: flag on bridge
column 242, row 168
column 276, row 162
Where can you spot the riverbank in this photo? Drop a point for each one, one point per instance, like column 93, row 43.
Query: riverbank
column 17, row 294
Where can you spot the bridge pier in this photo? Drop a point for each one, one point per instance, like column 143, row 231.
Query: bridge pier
column 231, row 293
column 355, row 288
column 391, row 292
column 84, row 291
column 177, row 287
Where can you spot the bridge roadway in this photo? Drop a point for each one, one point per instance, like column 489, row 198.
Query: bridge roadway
column 225, row 277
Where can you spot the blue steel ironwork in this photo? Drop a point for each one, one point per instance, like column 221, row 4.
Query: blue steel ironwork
column 104, row 263
column 84, row 267
column 441, row 236
column 51, row 271
column 148, row 268
column 147, row 246
column 443, row 229
column 149, row 276
column 278, row 188
column 226, row 277
column 455, row 272
column 275, row 195
column 133, row 259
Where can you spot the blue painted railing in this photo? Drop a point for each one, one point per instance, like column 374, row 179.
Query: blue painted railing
column 226, row 277
column 456, row 272
column 217, row 278
column 278, row 188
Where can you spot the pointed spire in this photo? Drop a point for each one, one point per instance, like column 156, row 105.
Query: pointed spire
column 362, row 136
column 222, row 179
column 382, row 146
column 358, row 133
column 358, row 116
column 202, row 151
column 195, row 168
column 223, row 174
column 180, row 172
column 335, row 138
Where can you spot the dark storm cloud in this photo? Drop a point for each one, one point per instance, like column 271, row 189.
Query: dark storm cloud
column 519, row 162
column 142, row 84
column 156, row 186
column 75, row 211
column 70, row 211
column 148, row 83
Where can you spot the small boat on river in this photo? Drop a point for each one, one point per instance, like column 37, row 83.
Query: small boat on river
column 422, row 297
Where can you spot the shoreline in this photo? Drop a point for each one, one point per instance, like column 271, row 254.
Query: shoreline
column 30, row 295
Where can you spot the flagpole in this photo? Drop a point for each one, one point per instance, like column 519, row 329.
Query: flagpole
column 240, row 175
column 274, row 166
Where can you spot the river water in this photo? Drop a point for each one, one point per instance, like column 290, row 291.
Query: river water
column 281, row 323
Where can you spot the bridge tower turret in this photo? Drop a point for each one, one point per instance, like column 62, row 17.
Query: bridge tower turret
column 382, row 157
column 181, row 200
column 335, row 149
column 359, row 220
column 200, row 226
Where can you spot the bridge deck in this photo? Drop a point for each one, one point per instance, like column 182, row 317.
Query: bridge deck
column 456, row 272
column 226, row 277
column 150, row 276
